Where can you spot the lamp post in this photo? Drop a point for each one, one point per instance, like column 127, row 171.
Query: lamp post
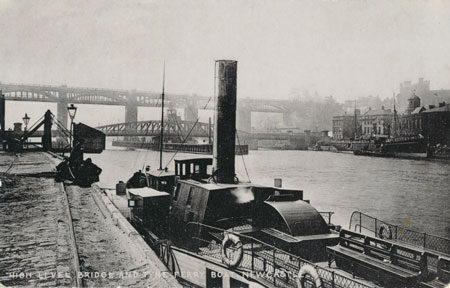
column 26, row 120
column 72, row 111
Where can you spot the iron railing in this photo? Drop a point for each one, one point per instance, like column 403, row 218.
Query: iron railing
column 327, row 216
column 363, row 223
column 261, row 260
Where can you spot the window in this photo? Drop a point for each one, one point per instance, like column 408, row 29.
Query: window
column 189, row 199
column 177, row 192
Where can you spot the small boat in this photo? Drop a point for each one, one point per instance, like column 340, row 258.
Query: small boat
column 373, row 153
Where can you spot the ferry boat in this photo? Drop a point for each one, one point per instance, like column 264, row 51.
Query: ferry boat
column 212, row 230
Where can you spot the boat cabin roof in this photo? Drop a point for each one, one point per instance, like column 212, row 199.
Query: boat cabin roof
column 296, row 218
column 147, row 192
column 160, row 173
column 220, row 186
column 205, row 161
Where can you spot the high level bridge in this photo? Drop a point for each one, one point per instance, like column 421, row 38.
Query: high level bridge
column 132, row 99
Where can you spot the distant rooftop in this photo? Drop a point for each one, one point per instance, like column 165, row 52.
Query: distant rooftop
column 445, row 108
column 373, row 112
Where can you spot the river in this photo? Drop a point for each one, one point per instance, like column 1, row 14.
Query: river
column 411, row 193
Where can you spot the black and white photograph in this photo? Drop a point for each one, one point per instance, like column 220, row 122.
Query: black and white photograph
column 225, row 143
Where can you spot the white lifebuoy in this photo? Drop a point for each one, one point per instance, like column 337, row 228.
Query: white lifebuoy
column 385, row 232
column 229, row 240
column 308, row 270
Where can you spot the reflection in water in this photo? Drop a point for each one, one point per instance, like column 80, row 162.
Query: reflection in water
column 411, row 193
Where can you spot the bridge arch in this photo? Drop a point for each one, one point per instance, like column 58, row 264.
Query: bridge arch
column 21, row 93
column 98, row 98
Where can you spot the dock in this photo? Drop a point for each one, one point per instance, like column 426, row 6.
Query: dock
column 66, row 236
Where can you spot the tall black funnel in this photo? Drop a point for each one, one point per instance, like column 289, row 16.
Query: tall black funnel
column 225, row 121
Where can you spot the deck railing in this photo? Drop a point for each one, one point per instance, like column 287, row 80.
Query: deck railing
column 327, row 216
column 261, row 260
column 363, row 223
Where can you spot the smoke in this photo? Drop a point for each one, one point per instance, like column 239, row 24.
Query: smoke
column 243, row 195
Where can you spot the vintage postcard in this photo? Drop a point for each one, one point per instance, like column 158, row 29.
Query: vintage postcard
column 225, row 143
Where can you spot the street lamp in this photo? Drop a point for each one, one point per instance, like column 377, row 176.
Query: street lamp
column 72, row 111
column 26, row 120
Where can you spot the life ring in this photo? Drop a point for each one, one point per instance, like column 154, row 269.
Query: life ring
column 385, row 232
column 311, row 272
column 232, row 240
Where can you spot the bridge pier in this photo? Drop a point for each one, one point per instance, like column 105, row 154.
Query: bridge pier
column 131, row 112
column 61, row 114
column 61, row 108
column 244, row 119
column 191, row 111
column 287, row 119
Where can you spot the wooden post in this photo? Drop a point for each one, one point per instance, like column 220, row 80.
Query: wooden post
column 274, row 278
column 376, row 230
column 253, row 265
column 47, row 137
column 360, row 222
column 2, row 116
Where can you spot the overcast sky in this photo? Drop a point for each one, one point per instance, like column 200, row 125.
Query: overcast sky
column 340, row 48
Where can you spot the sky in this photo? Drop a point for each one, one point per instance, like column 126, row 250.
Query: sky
column 341, row 48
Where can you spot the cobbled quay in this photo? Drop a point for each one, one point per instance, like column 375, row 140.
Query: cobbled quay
column 37, row 246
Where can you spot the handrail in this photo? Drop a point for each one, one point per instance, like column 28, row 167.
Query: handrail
column 278, row 259
column 328, row 213
column 416, row 238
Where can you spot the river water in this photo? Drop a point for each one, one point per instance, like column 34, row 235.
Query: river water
column 412, row 193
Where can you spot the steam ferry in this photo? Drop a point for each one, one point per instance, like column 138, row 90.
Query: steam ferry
column 212, row 230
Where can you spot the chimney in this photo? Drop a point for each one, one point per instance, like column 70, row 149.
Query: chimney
column 17, row 127
column 225, row 121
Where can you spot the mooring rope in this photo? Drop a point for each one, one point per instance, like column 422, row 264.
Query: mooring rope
column 187, row 136
column 243, row 159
